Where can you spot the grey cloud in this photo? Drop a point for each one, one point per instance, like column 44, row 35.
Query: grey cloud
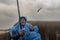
column 8, row 11
column 49, row 10
column 8, row 15
column 9, row 2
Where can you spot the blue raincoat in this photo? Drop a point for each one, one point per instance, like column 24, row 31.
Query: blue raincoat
column 28, row 35
column 34, row 35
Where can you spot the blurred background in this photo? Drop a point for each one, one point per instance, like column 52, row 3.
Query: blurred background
column 50, row 11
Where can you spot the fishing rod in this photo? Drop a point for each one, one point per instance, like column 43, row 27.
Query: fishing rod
column 19, row 16
column 18, row 13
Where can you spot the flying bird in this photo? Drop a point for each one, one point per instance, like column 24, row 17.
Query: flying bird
column 39, row 9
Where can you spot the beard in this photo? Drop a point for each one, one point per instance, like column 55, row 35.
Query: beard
column 22, row 23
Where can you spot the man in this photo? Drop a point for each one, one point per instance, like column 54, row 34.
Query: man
column 22, row 31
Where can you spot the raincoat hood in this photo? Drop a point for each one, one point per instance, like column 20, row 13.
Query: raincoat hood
column 23, row 17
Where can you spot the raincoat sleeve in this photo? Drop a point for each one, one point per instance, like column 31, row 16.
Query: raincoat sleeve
column 14, row 33
column 35, row 28
column 34, row 35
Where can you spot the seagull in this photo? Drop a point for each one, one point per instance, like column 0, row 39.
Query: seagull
column 39, row 9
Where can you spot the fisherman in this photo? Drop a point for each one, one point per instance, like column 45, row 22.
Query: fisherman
column 22, row 31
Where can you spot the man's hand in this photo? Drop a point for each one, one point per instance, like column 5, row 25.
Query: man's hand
column 21, row 32
column 31, row 26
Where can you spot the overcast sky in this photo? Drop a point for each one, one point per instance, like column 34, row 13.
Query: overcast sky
column 8, row 11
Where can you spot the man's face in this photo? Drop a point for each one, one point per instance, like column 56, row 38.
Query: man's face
column 22, row 21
